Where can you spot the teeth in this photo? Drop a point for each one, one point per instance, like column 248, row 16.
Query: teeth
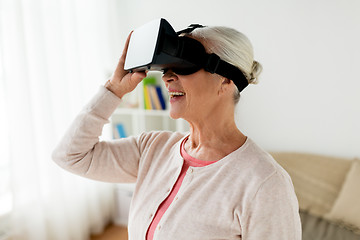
column 176, row 94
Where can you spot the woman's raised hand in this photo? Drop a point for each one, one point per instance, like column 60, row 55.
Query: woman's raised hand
column 122, row 81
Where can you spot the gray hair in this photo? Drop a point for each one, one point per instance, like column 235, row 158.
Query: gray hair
column 233, row 47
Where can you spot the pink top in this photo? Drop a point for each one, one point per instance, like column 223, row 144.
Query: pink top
column 188, row 161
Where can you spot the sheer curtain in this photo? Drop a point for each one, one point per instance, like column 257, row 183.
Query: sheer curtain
column 53, row 56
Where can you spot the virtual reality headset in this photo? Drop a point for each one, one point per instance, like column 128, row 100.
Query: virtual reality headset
column 156, row 46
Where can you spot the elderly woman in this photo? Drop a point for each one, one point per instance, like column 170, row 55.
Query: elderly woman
column 212, row 183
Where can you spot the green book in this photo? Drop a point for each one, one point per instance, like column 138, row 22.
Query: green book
column 146, row 82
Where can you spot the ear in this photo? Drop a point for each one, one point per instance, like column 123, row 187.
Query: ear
column 225, row 85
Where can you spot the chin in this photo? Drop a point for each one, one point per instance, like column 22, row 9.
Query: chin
column 175, row 113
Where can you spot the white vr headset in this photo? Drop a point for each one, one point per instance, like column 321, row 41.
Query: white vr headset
column 156, row 46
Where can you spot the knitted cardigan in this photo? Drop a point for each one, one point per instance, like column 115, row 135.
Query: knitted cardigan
column 246, row 195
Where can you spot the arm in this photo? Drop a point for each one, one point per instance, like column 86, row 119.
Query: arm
column 273, row 212
column 80, row 150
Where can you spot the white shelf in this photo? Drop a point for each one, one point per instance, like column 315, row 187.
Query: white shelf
column 139, row 120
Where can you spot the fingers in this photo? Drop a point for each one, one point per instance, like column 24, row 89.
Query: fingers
column 123, row 55
column 122, row 81
column 138, row 76
column 120, row 71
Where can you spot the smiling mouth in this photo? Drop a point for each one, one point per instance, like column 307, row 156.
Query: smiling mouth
column 176, row 94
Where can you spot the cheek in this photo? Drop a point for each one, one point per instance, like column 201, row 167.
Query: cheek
column 201, row 89
column 201, row 97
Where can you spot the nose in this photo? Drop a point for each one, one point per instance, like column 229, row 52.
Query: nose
column 169, row 76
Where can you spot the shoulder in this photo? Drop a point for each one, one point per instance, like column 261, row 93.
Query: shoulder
column 271, row 181
column 166, row 137
column 156, row 148
column 266, row 179
column 257, row 168
column 156, row 140
column 260, row 162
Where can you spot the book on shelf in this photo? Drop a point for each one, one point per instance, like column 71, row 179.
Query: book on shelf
column 161, row 97
column 147, row 100
column 153, row 97
column 155, row 101
column 119, row 131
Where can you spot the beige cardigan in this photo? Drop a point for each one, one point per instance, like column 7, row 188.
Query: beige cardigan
column 246, row 195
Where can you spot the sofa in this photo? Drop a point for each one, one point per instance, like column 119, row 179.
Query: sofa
column 328, row 190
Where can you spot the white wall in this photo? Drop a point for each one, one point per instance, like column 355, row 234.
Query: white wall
column 309, row 93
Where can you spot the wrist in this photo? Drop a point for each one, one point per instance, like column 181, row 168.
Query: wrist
column 112, row 89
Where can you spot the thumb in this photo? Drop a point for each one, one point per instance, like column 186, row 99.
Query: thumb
column 137, row 77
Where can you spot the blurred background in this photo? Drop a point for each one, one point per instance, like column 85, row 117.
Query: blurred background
column 54, row 55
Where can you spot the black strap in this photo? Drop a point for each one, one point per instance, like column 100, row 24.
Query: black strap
column 194, row 52
column 190, row 28
column 211, row 62
column 215, row 65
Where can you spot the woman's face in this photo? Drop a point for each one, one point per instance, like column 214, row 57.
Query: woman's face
column 193, row 97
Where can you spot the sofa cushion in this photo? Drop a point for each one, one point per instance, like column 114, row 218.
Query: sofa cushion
column 346, row 208
column 317, row 179
column 321, row 229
